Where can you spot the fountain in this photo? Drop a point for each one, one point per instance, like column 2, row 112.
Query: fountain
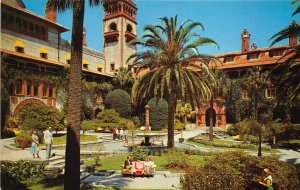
column 150, row 141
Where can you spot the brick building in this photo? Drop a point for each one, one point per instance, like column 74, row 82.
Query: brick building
column 235, row 64
column 32, row 43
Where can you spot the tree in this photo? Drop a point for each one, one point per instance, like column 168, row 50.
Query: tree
column 123, row 79
column 158, row 110
column 171, row 52
column 291, row 67
column 120, row 101
column 184, row 110
column 72, row 160
column 40, row 117
column 256, row 84
column 88, row 125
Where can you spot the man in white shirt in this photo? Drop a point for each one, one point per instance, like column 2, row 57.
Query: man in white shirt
column 48, row 139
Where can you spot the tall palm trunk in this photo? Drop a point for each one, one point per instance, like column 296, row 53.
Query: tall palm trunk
column 211, row 119
column 72, row 160
column 171, row 117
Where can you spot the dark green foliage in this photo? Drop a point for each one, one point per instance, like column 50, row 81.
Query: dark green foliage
column 108, row 116
column 138, row 153
column 40, row 117
column 120, row 101
column 23, row 137
column 232, row 130
column 158, row 114
column 238, row 170
column 177, row 160
column 21, row 174
column 88, row 125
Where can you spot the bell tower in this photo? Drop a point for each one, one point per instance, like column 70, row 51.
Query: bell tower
column 119, row 27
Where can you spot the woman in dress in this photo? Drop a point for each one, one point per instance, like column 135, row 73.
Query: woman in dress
column 267, row 180
column 34, row 144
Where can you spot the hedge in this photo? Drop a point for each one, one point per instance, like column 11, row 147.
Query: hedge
column 120, row 101
column 239, row 170
column 158, row 114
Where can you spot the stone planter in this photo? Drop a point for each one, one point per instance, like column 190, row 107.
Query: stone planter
column 181, row 140
column 23, row 143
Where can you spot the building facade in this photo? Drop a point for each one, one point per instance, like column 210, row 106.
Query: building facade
column 236, row 64
column 32, row 45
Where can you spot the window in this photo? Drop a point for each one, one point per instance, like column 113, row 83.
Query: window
column 20, row 49
column 50, row 91
column 85, row 66
column 253, row 56
column 44, row 55
column 35, row 89
column 112, row 27
column 25, row 25
column 18, row 24
column 129, row 28
column 112, row 67
column 31, row 28
column 270, row 92
column 45, row 89
column 276, row 53
column 18, row 87
column 29, row 85
column 228, row 59
column 99, row 69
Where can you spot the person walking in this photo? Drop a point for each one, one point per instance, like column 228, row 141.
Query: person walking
column 34, row 144
column 48, row 139
column 267, row 180
column 121, row 133
column 125, row 134
column 114, row 131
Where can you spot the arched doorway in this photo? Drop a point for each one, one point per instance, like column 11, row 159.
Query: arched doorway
column 207, row 117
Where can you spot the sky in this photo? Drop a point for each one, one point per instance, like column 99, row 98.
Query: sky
column 223, row 20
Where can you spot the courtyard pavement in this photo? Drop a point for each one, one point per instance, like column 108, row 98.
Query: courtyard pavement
column 162, row 180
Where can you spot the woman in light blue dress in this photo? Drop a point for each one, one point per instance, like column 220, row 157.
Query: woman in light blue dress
column 34, row 145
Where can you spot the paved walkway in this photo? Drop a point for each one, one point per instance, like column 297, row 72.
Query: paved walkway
column 163, row 180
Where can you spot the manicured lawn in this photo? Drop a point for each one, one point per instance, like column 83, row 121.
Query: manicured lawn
column 114, row 162
column 83, row 138
column 220, row 143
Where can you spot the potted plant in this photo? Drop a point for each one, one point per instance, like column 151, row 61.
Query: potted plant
column 23, row 139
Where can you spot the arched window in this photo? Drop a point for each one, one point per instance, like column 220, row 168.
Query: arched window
column 112, row 27
column 129, row 28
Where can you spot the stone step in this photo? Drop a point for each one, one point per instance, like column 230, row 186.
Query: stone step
column 57, row 162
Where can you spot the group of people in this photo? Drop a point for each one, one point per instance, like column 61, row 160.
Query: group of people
column 48, row 140
column 119, row 134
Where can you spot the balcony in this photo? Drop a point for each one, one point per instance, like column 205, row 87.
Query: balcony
column 129, row 36
column 112, row 36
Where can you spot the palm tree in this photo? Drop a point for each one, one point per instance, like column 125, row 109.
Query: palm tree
column 256, row 84
column 123, row 78
column 72, row 160
column 175, row 66
column 291, row 67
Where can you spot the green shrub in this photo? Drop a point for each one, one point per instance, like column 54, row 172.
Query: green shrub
column 108, row 116
column 138, row 153
column 120, row 101
column 21, row 174
column 232, row 130
column 40, row 117
column 178, row 125
column 23, row 136
column 88, row 125
column 239, row 170
column 177, row 160
column 158, row 113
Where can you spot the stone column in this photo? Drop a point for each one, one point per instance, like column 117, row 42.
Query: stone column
column 147, row 118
